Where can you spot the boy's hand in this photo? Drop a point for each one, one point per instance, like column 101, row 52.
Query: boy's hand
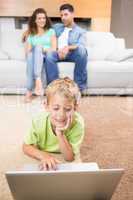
column 60, row 130
column 49, row 163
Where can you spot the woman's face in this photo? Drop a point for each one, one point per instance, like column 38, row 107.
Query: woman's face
column 40, row 20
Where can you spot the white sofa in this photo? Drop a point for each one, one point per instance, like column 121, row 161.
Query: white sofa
column 109, row 68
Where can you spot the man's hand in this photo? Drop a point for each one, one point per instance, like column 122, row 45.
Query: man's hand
column 48, row 163
column 62, row 53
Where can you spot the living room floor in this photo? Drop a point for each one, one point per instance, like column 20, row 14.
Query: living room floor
column 108, row 138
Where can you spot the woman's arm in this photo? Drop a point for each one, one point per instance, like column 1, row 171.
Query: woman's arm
column 28, row 48
column 53, row 44
column 25, row 35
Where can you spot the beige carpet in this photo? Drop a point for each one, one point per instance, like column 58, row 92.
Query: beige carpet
column 108, row 140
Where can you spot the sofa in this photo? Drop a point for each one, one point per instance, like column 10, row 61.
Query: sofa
column 109, row 67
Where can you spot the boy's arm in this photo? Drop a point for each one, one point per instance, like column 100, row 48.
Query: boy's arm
column 65, row 147
column 70, row 144
column 31, row 149
column 76, row 134
column 48, row 162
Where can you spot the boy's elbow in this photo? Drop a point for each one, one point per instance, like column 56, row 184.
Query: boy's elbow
column 70, row 158
column 24, row 148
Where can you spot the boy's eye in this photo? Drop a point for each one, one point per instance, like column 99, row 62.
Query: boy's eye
column 55, row 108
column 68, row 109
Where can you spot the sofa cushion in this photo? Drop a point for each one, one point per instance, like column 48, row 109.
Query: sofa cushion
column 97, row 53
column 120, row 55
column 66, row 69
column 3, row 55
column 108, row 74
column 12, row 74
column 129, row 59
column 7, row 23
column 120, row 43
column 100, row 45
column 12, row 45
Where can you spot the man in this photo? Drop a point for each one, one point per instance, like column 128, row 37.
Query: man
column 71, row 48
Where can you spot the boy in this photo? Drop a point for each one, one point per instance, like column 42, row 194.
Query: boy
column 60, row 129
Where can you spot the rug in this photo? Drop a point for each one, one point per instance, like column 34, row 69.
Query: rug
column 108, row 136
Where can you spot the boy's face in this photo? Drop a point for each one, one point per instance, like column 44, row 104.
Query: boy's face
column 61, row 110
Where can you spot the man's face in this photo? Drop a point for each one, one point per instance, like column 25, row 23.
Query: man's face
column 67, row 17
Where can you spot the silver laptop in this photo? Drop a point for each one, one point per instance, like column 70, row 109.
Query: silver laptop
column 81, row 181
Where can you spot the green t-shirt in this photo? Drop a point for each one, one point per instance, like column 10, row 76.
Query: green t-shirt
column 41, row 134
column 43, row 40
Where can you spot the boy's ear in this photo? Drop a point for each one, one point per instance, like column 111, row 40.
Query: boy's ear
column 45, row 103
column 76, row 107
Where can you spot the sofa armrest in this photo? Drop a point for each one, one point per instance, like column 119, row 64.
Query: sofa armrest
column 129, row 59
column 120, row 43
column 120, row 55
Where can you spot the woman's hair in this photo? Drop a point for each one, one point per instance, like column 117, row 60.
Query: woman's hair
column 32, row 27
column 64, row 87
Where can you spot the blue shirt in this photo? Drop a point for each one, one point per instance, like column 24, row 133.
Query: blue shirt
column 77, row 36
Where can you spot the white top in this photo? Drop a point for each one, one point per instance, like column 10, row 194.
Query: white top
column 63, row 38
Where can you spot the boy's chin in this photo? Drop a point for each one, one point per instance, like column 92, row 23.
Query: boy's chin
column 60, row 125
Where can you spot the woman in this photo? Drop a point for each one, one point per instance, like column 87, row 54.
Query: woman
column 41, row 39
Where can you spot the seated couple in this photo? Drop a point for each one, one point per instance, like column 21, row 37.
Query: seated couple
column 47, row 45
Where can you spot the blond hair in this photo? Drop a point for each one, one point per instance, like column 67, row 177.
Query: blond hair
column 65, row 87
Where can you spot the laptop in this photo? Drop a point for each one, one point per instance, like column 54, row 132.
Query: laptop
column 71, row 181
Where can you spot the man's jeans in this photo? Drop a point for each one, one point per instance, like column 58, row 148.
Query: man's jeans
column 78, row 56
column 35, row 62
